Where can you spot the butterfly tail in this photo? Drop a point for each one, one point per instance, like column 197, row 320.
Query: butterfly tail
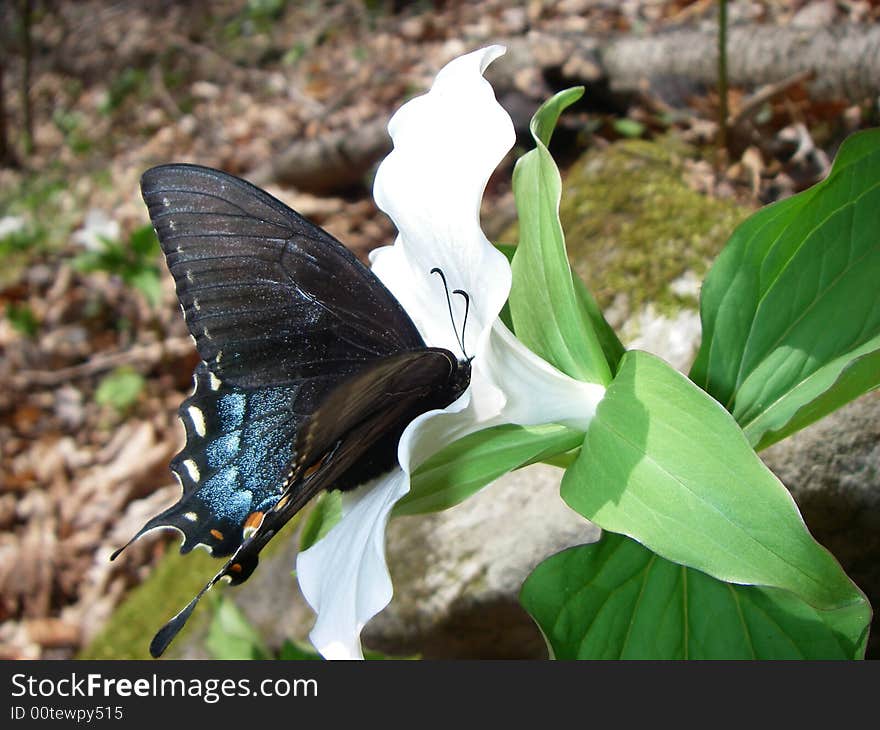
column 166, row 634
column 240, row 566
column 162, row 520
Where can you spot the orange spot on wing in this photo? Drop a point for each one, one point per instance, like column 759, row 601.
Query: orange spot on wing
column 217, row 534
column 313, row 468
column 251, row 524
column 235, row 568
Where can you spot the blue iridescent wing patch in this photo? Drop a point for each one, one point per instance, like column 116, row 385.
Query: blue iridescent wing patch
column 239, row 447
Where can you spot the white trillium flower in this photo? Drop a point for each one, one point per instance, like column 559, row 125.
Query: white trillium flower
column 446, row 145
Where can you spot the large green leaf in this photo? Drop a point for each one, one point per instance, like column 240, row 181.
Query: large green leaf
column 466, row 465
column 617, row 600
column 547, row 315
column 826, row 390
column 791, row 308
column 664, row 463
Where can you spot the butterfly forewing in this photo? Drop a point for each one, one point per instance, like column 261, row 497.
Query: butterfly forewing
column 268, row 296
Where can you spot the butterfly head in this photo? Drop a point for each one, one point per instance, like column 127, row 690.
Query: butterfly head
column 460, row 378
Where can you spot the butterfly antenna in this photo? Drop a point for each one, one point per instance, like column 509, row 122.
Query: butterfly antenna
column 435, row 270
column 467, row 308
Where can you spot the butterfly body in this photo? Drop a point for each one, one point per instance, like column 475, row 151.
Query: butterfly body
column 310, row 372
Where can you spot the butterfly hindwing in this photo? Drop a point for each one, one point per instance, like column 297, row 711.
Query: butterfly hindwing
column 351, row 438
column 268, row 296
column 239, row 447
column 373, row 407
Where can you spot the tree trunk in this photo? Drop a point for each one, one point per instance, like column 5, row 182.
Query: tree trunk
column 28, row 125
column 331, row 163
column 7, row 158
column 843, row 60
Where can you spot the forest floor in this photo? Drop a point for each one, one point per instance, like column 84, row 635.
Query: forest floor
column 94, row 357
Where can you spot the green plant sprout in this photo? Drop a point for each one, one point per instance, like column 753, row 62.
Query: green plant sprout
column 134, row 262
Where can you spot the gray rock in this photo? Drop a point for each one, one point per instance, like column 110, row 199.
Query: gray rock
column 457, row 575
column 832, row 468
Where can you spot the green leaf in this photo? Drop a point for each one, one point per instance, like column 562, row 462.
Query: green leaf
column 148, row 282
column 472, row 462
column 824, row 391
column 144, row 242
column 508, row 250
column 664, row 463
column 231, row 636
column 120, row 389
column 21, row 240
column 22, row 319
column 628, row 127
column 325, row 513
column 608, row 340
column 617, row 600
column 791, row 308
column 88, row 261
column 297, row 651
column 547, row 315
column 611, row 346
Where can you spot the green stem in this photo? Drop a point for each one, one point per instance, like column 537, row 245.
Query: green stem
column 722, row 82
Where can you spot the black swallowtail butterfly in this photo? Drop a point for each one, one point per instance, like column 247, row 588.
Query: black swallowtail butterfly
column 310, row 368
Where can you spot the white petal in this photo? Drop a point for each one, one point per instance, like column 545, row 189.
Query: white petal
column 535, row 391
column 509, row 384
column 344, row 576
column 446, row 145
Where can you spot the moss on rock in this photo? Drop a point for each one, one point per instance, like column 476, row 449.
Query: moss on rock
column 169, row 588
column 633, row 225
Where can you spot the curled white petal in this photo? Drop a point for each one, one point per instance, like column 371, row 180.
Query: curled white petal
column 344, row 576
column 535, row 391
column 446, row 145
column 509, row 384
